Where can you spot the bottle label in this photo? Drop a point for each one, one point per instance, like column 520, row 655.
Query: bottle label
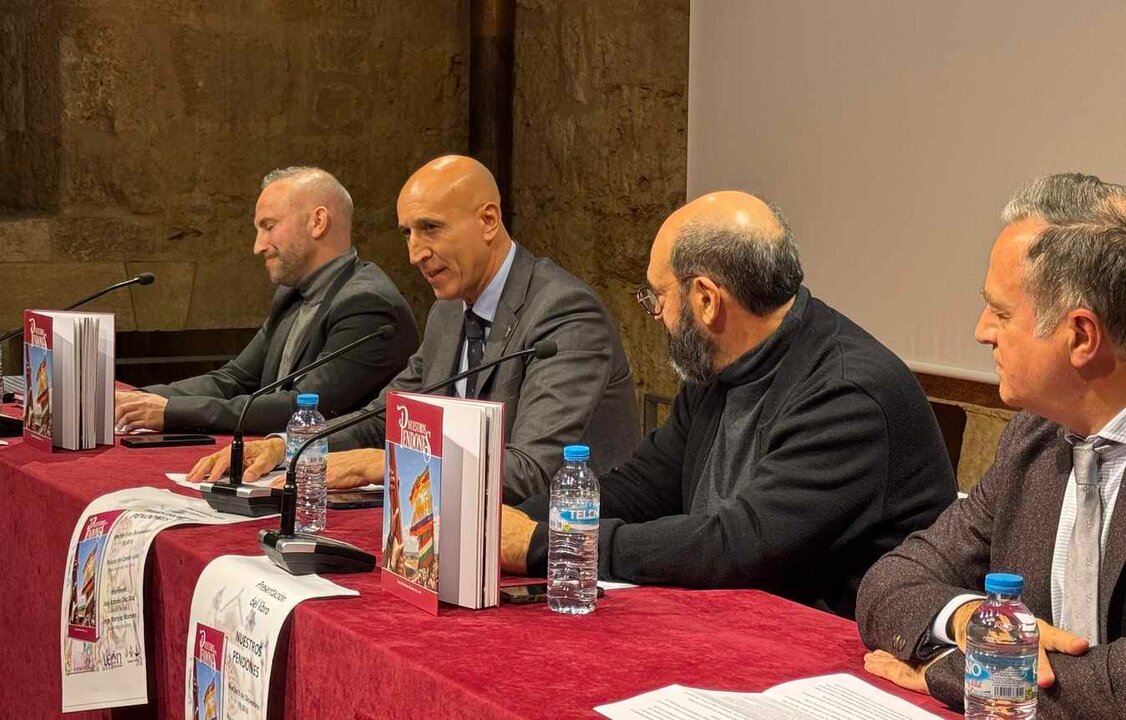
column 574, row 516
column 1000, row 677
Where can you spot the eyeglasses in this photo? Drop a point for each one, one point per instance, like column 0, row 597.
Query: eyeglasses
column 651, row 302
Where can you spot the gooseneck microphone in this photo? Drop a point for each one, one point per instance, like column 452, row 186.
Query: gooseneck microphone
column 306, row 553
column 254, row 501
column 142, row 279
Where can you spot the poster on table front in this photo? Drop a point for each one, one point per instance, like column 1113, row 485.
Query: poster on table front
column 102, row 631
column 239, row 608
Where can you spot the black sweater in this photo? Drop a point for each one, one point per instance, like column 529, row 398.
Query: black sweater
column 845, row 460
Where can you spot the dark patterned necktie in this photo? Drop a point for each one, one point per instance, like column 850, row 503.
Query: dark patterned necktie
column 475, row 345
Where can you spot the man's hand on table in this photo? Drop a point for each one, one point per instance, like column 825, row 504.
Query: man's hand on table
column 516, row 530
column 887, row 666
column 914, row 677
column 259, row 458
column 351, row 469
column 138, row 411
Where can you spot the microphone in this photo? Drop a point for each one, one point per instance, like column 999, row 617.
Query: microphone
column 306, row 553
column 541, row 350
column 142, row 279
column 254, row 501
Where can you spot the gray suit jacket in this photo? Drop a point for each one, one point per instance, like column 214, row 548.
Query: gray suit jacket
column 359, row 301
column 583, row 394
column 1007, row 524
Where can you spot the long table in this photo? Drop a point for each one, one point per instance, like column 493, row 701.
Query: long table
column 376, row 656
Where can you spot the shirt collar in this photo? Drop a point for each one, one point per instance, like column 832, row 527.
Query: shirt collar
column 486, row 305
column 314, row 285
column 1113, row 432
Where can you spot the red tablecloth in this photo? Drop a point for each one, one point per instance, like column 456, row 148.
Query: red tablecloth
column 376, row 656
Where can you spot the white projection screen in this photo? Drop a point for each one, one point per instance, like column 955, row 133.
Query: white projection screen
column 892, row 132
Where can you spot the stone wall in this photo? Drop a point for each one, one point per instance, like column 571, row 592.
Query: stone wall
column 133, row 137
column 600, row 148
column 29, row 105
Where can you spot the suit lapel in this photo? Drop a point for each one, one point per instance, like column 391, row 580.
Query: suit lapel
column 512, row 298
column 1113, row 560
column 277, row 331
column 1046, row 484
column 448, row 323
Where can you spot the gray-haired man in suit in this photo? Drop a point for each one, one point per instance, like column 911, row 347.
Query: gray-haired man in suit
column 1055, row 317
column 493, row 297
column 326, row 298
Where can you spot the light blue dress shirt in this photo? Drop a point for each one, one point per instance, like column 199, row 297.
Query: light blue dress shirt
column 486, row 309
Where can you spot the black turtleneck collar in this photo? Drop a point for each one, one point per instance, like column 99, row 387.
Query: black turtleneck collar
column 761, row 360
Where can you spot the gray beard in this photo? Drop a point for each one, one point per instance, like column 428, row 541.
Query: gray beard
column 691, row 352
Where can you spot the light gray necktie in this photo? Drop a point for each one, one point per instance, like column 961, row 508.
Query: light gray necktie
column 1081, row 575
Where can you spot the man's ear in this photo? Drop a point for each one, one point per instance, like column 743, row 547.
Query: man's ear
column 704, row 295
column 1087, row 339
column 489, row 216
column 319, row 221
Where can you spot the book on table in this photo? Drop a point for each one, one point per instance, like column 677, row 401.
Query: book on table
column 443, row 481
column 68, row 379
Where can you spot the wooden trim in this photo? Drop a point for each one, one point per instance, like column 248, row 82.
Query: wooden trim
column 966, row 392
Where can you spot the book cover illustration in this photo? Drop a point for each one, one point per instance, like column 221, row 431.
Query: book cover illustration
column 37, row 343
column 411, row 504
column 85, row 573
column 207, row 674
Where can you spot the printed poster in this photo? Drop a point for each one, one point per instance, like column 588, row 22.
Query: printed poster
column 102, row 624
column 239, row 608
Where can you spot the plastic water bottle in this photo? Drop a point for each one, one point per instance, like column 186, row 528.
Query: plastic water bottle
column 572, row 549
column 311, row 491
column 1002, row 641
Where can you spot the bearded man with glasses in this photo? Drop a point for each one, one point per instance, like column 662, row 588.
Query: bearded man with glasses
column 798, row 450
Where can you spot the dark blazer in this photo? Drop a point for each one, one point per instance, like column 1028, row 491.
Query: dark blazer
column 1007, row 524
column 359, row 301
column 583, row 394
column 844, row 461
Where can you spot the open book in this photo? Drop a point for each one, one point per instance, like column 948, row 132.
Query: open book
column 444, row 475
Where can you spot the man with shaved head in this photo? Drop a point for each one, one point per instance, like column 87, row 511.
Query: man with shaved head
column 798, row 449
column 493, row 298
column 327, row 298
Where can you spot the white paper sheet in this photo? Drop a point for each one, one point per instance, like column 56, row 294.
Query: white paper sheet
column 238, row 610
column 102, row 624
column 841, row 696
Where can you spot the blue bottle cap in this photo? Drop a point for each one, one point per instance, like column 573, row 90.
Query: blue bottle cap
column 1007, row 583
column 308, row 400
column 576, row 453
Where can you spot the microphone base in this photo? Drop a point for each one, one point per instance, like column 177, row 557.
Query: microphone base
column 245, row 500
column 307, row 554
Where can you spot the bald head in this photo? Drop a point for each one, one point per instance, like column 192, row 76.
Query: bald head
column 730, row 209
column 449, row 211
column 453, row 179
column 738, row 240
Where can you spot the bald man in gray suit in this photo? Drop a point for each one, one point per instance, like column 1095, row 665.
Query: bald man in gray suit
column 489, row 288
